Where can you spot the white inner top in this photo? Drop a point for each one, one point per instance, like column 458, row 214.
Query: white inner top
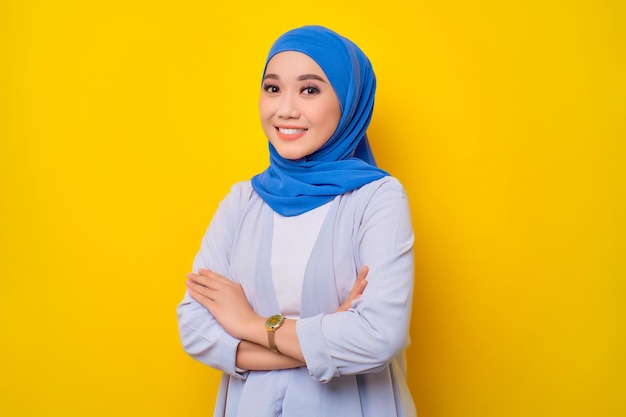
column 292, row 244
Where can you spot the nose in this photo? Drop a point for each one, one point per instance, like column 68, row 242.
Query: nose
column 288, row 107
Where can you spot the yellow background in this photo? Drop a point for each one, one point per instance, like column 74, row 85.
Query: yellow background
column 123, row 123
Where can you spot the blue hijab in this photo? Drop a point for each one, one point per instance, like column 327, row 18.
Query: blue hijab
column 345, row 162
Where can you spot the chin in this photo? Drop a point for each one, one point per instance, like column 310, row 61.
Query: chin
column 289, row 152
column 292, row 156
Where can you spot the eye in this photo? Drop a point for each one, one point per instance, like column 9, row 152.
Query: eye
column 270, row 88
column 309, row 90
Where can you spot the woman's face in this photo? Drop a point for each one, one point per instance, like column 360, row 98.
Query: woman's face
column 299, row 108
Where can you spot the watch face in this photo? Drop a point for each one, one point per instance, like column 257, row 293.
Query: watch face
column 274, row 321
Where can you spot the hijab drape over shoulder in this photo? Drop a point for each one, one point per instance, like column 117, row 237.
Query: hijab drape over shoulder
column 345, row 162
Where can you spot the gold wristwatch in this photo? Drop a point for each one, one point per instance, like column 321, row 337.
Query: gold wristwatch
column 272, row 324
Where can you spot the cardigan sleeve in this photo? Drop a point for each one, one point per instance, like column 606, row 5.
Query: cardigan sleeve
column 202, row 337
column 374, row 330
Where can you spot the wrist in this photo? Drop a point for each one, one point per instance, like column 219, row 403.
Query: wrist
column 272, row 324
column 255, row 331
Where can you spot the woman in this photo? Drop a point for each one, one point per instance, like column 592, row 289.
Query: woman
column 302, row 287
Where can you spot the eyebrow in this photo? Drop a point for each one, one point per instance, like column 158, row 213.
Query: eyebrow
column 302, row 77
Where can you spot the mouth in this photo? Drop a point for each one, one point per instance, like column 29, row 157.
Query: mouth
column 290, row 133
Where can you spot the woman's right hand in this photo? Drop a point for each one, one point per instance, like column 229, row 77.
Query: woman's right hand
column 356, row 291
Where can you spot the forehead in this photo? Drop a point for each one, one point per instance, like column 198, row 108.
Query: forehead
column 292, row 63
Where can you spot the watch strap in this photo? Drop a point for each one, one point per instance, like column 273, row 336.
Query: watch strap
column 271, row 339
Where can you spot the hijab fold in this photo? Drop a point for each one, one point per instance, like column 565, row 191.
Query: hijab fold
column 345, row 162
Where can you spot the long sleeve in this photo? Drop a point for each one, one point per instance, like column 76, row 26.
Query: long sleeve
column 369, row 335
column 356, row 353
column 202, row 337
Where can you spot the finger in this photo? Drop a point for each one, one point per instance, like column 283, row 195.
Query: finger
column 204, row 301
column 209, row 274
column 213, row 276
column 203, row 280
column 360, row 283
column 363, row 273
column 195, row 294
column 201, row 290
column 196, row 278
column 357, row 289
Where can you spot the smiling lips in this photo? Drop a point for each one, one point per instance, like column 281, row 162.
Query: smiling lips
column 290, row 133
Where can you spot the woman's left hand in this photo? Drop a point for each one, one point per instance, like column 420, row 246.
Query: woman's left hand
column 357, row 290
column 224, row 299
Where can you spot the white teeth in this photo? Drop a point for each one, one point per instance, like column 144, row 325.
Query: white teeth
column 290, row 131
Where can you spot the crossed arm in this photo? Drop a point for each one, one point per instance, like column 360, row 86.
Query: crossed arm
column 226, row 301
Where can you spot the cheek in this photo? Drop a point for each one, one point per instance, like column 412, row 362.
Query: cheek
column 264, row 108
column 331, row 115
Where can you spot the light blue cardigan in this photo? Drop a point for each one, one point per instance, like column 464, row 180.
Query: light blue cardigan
column 354, row 359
